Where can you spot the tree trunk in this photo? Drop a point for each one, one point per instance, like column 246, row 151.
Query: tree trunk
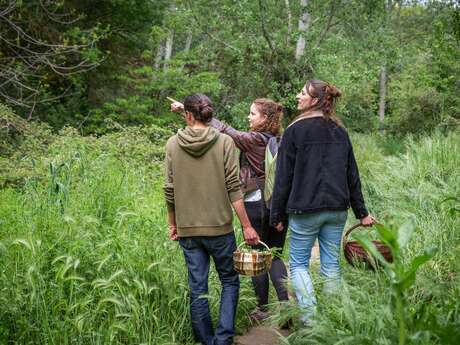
column 289, row 15
column 383, row 73
column 168, row 48
column 170, row 37
column 188, row 42
column 303, row 28
column 159, row 55
column 382, row 96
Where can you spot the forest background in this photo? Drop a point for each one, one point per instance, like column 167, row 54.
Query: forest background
column 81, row 63
column 84, row 254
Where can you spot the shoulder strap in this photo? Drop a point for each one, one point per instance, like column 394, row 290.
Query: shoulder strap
column 267, row 136
column 273, row 145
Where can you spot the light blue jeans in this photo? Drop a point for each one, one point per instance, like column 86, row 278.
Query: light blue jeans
column 327, row 226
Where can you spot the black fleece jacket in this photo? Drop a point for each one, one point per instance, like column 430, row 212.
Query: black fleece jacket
column 316, row 171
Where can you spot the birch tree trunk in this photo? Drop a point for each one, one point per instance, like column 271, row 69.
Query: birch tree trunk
column 170, row 37
column 382, row 95
column 168, row 48
column 289, row 14
column 383, row 73
column 188, row 44
column 303, row 28
column 159, row 55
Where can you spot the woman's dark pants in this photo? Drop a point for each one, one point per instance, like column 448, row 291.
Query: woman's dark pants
column 259, row 216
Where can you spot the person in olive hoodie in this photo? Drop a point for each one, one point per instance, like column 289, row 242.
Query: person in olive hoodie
column 264, row 120
column 316, row 181
column 201, row 186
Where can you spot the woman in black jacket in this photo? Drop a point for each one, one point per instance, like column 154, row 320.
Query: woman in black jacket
column 316, row 181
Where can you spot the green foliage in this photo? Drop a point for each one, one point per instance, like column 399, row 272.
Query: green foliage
column 90, row 260
column 238, row 51
column 148, row 105
column 84, row 252
column 19, row 137
column 402, row 275
column 26, row 146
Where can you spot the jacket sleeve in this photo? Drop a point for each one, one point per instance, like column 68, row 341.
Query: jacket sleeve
column 232, row 182
column 354, row 186
column 285, row 163
column 168, row 187
column 245, row 141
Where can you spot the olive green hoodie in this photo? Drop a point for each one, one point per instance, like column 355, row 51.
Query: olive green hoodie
column 201, row 181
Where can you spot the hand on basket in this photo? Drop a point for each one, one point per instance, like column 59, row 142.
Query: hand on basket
column 250, row 235
column 279, row 227
column 368, row 221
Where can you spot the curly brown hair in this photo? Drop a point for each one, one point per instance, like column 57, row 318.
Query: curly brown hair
column 274, row 113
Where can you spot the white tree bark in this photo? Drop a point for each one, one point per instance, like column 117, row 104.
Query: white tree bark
column 188, row 42
column 383, row 73
column 168, row 48
column 159, row 55
column 289, row 14
column 382, row 95
column 170, row 37
column 303, row 28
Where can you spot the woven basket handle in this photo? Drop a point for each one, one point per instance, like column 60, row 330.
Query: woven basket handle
column 242, row 243
column 348, row 232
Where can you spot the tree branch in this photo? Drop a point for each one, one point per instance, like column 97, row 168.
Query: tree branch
column 207, row 33
column 27, row 60
column 264, row 30
column 329, row 23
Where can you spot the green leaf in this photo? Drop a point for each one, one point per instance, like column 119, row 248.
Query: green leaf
column 454, row 210
column 451, row 198
column 367, row 244
column 408, row 278
column 404, row 234
column 388, row 236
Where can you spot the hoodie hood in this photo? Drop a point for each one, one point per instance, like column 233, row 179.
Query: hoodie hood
column 197, row 141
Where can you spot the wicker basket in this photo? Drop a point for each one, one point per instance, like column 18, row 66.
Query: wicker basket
column 252, row 263
column 356, row 254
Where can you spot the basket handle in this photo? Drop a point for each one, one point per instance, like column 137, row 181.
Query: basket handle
column 348, row 232
column 244, row 242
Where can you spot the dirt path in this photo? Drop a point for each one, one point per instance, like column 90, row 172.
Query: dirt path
column 269, row 335
column 261, row 335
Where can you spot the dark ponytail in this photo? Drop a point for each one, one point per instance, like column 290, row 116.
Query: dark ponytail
column 200, row 106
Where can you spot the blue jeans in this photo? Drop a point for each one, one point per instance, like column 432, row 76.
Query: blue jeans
column 197, row 252
column 327, row 226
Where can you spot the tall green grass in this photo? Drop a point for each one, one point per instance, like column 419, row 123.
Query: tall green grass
column 84, row 253
column 85, row 259
column 408, row 187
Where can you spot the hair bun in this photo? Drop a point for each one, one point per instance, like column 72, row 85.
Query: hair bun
column 206, row 111
column 333, row 91
column 200, row 106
